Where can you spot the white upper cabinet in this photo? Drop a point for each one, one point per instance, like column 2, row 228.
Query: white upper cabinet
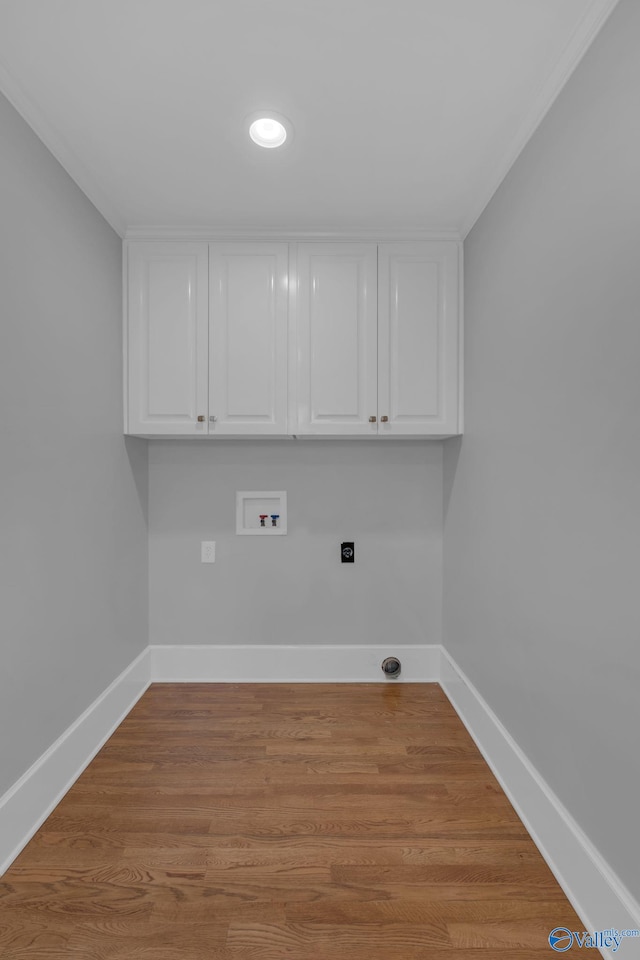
column 167, row 338
column 378, row 341
column 207, row 339
column 337, row 339
column 248, row 331
column 418, row 340
column 326, row 339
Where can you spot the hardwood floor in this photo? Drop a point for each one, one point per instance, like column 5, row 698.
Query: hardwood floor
column 268, row 821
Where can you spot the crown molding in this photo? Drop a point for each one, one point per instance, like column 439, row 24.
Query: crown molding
column 208, row 233
column 582, row 38
column 32, row 114
column 580, row 41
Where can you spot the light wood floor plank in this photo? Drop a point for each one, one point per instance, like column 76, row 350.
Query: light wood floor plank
column 267, row 822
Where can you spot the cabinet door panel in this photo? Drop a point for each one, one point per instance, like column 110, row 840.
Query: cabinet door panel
column 337, row 338
column 167, row 338
column 418, row 338
column 248, row 338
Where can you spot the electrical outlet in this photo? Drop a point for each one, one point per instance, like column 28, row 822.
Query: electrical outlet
column 348, row 552
column 208, row 551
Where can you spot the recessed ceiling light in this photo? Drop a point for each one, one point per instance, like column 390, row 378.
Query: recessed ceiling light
column 268, row 131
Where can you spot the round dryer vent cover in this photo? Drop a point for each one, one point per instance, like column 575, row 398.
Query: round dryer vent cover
column 391, row 667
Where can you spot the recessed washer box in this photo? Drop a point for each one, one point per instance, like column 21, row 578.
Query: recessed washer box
column 261, row 513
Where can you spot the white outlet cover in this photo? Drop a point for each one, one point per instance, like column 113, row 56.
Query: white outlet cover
column 251, row 505
column 208, row 551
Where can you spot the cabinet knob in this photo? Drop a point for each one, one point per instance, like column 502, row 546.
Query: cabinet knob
column 200, row 419
column 384, row 419
column 212, row 419
column 372, row 419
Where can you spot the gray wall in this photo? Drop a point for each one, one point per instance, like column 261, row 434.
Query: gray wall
column 73, row 604
column 542, row 496
column 386, row 496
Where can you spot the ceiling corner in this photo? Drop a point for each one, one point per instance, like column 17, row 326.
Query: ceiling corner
column 580, row 41
column 58, row 147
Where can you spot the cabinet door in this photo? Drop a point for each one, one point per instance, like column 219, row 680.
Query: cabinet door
column 418, row 338
column 336, row 331
column 248, row 338
column 167, row 338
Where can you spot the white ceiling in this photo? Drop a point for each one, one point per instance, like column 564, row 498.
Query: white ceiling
column 407, row 113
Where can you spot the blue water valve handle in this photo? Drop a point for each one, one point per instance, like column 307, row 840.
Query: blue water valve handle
column 274, row 518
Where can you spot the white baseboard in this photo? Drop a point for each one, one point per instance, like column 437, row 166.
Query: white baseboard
column 253, row 663
column 28, row 803
column 596, row 893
